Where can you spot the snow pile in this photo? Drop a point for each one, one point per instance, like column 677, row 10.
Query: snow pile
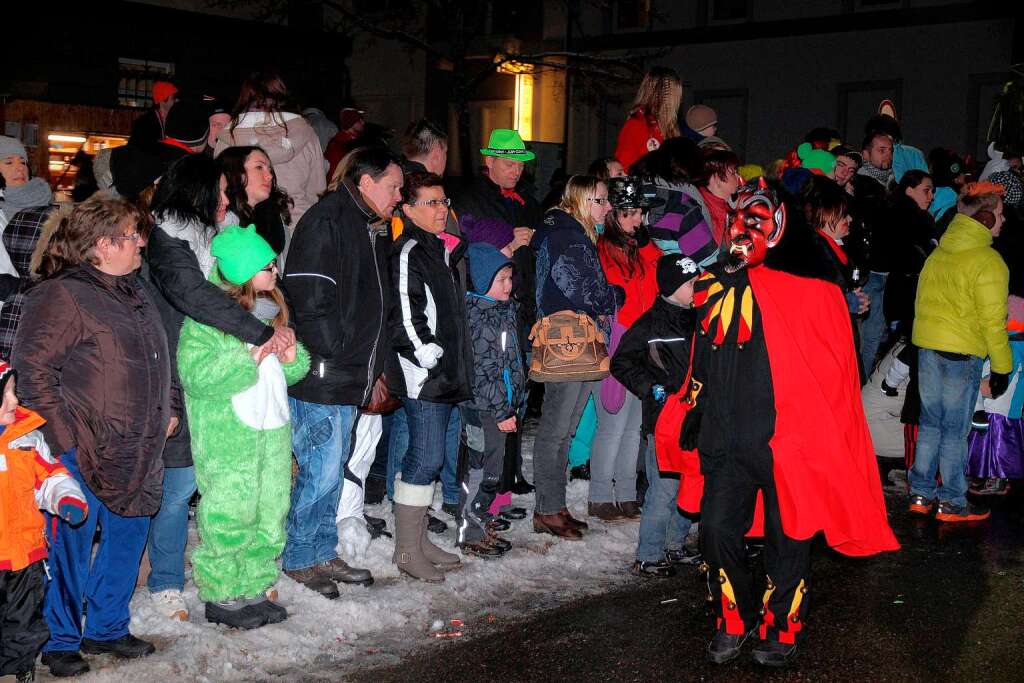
column 386, row 619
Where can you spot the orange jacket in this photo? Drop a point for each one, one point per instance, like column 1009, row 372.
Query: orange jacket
column 30, row 479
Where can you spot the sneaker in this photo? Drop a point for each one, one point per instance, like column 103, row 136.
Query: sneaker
column 947, row 512
column 683, row 556
column 889, row 391
column 436, row 526
column 64, row 664
column 920, row 505
column 125, row 647
column 725, row 648
column 659, row 569
column 236, row 614
column 773, row 653
column 171, row 604
column 993, row 486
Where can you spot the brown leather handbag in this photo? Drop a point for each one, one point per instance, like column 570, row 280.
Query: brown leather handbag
column 381, row 400
column 568, row 347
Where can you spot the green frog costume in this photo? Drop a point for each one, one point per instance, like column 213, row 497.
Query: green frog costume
column 241, row 436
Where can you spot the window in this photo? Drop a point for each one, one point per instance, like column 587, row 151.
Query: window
column 135, row 87
column 632, row 14
column 728, row 10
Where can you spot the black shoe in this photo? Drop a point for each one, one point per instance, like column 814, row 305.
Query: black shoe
column 64, row 664
column 521, row 487
column 725, row 648
column 374, row 489
column 683, row 556
column 661, row 569
column 436, row 526
column 125, row 647
column 450, row 509
column 947, row 512
column 498, row 542
column 580, row 472
column 889, row 391
column 314, row 581
column 377, row 526
column 773, row 653
column 514, row 514
column 275, row 613
column 236, row 614
column 498, row 524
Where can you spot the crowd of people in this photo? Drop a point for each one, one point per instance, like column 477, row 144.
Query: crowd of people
column 274, row 316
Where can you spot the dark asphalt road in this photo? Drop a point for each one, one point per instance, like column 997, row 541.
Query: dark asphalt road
column 949, row 606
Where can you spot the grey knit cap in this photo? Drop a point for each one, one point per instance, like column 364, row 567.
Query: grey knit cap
column 12, row 147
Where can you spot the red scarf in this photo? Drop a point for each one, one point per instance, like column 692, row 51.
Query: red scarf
column 512, row 194
column 836, row 247
column 719, row 210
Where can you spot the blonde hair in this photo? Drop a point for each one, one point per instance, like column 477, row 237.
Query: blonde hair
column 246, row 295
column 576, row 202
column 659, row 96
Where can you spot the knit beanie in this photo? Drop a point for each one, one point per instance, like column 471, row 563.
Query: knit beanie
column 701, row 116
column 240, row 253
column 1013, row 191
column 188, row 123
column 485, row 260
column 12, row 147
column 133, row 170
column 674, row 271
column 162, row 90
column 6, row 374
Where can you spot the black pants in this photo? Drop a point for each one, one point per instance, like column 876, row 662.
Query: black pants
column 23, row 630
column 731, row 484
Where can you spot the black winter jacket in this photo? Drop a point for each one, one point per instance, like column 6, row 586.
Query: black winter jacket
column 336, row 280
column 173, row 269
column 655, row 350
column 428, row 307
column 499, row 376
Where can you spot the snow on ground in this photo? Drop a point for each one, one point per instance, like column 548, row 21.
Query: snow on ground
column 376, row 625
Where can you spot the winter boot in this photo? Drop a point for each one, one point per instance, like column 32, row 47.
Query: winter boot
column 65, row 664
column 437, row 557
column 236, row 614
column 410, row 509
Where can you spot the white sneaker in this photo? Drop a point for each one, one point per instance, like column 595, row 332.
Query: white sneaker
column 170, row 604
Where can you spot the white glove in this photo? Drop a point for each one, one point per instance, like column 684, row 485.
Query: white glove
column 428, row 355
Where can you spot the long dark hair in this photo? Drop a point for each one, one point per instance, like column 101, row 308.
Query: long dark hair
column 232, row 163
column 263, row 90
column 189, row 191
column 620, row 246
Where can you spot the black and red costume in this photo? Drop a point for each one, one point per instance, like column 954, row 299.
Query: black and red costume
column 777, row 421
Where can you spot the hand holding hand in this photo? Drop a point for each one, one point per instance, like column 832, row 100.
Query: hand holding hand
column 288, row 355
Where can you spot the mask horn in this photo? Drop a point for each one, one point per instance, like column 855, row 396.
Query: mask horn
column 761, row 182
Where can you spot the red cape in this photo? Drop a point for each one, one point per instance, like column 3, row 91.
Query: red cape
column 824, row 462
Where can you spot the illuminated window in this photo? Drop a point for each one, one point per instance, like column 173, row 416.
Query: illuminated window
column 135, row 87
column 524, row 105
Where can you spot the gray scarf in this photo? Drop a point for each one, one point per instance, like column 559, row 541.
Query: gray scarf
column 35, row 192
column 265, row 309
column 885, row 176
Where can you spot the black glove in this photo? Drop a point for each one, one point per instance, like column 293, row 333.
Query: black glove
column 998, row 383
column 690, row 431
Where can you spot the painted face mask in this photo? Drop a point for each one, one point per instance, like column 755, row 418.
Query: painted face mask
column 756, row 222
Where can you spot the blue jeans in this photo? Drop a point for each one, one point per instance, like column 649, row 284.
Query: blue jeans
column 105, row 580
column 662, row 526
column 872, row 328
column 948, row 389
column 430, row 425
column 398, row 448
column 322, row 443
column 398, row 444
column 168, row 532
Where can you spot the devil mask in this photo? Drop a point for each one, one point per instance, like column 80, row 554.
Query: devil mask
column 755, row 224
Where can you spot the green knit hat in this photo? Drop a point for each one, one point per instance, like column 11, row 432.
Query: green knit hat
column 240, row 253
column 508, row 144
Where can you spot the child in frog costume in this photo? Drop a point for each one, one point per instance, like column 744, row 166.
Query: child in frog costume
column 237, row 402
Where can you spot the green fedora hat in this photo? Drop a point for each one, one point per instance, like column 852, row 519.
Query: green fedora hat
column 507, row 144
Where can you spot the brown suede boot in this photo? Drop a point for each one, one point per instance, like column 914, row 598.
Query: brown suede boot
column 572, row 521
column 410, row 510
column 441, row 559
column 606, row 512
column 556, row 526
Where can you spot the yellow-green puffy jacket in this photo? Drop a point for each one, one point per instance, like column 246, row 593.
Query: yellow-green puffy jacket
column 961, row 296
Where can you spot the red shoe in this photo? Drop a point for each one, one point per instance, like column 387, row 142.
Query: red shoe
column 948, row 512
column 920, row 505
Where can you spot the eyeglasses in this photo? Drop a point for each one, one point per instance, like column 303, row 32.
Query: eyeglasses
column 434, row 203
column 134, row 237
column 600, row 201
column 270, row 268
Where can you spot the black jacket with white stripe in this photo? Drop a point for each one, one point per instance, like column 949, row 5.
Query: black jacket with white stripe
column 428, row 307
column 336, row 281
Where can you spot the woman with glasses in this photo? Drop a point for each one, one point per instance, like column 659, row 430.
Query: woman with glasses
column 569, row 278
column 92, row 358
column 430, row 365
column 237, row 399
column 190, row 202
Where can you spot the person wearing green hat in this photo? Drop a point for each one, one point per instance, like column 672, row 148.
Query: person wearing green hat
column 237, row 403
